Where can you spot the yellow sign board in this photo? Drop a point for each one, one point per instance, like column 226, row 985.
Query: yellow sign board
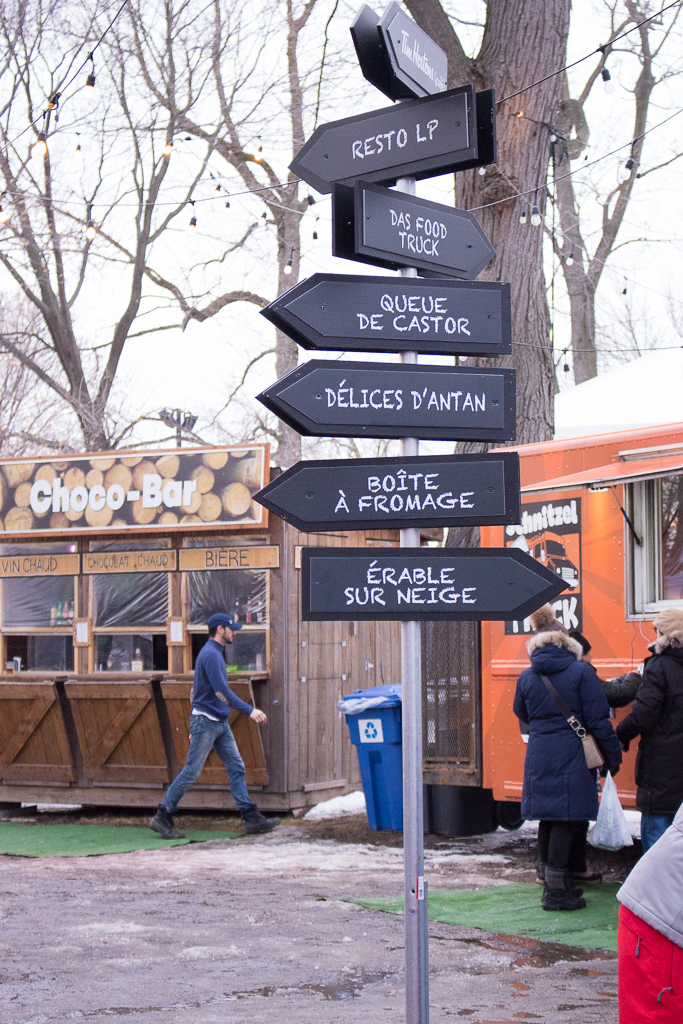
column 129, row 561
column 253, row 557
column 15, row 566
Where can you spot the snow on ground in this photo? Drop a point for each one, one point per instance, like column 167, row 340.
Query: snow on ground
column 337, row 807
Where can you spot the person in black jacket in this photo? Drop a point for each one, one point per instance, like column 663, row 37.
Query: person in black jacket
column 559, row 789
column 657, row 717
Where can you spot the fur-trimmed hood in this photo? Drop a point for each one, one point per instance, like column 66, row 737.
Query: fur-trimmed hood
column 558, row 639
column 669, row 622
column 543, row 621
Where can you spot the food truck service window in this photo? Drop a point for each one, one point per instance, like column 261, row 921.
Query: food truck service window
column 656, row 563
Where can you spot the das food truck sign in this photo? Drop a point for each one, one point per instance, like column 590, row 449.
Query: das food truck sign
column 192, row 489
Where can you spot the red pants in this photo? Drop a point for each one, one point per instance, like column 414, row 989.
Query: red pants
column 650, row 974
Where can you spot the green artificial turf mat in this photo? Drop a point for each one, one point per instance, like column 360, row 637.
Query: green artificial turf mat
column 25, row 840
column 515, row 909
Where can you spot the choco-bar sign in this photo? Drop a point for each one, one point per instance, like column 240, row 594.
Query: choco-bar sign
column 192, row 489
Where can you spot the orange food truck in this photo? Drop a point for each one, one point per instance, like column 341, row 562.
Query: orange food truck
column 606, row 514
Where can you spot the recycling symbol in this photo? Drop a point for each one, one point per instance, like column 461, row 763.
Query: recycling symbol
column 371, row 731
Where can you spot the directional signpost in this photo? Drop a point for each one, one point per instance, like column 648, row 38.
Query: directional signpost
column 434, row 133
column 418, row 138
column 345, row 399
column 372, row 224
column 385, row 314
column 427, row 490
column 431, row 584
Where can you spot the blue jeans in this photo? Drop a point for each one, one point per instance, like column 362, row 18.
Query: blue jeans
column 653, row 827
column 205, row 734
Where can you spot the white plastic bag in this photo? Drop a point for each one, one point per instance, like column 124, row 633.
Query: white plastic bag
column 610, row 831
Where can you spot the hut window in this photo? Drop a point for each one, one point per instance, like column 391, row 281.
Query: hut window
column 246, row 653
column 656, row 564
column 133, row 598
column 131, row 652
column 36, row 601
column 242, row 593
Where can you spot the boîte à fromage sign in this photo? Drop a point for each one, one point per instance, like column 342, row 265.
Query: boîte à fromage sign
column 192, row 489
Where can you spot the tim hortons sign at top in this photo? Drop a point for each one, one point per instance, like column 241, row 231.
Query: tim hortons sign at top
column 431, row 584
column 396, row 56
column 386, row 314
column 377, row 225
column 328, row 398
column 423, row 490
column 419, row 138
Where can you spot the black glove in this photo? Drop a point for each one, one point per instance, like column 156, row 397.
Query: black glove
column 606, row 768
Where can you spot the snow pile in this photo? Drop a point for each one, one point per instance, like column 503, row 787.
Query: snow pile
column 337, row 807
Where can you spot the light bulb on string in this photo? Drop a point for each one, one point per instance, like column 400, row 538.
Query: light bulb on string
column 288, row 267
column 536, row 216
column 79, row 151
column 607, row 79
column 310, row 200
column 89, row 87
column 168, row 148
column 481, row 171
column 258, row 155
column 315, row 231
column 264, row 218
column 227, row 204
column 570, row 259
column 90, row 229
column 40, row 146
column 192, row 226
column 218, row 188
column 522, row 216
column 626, row 169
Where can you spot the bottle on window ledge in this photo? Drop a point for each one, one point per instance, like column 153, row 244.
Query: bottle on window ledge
column 248, row 612
column 59, row 620
column 53, row 615
column 137, row 664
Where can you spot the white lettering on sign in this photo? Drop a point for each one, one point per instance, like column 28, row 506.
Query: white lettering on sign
column 420, row 235
column 416, row 314
column 550, row 515
column 407, row 492
column 420, row 60
column 376, row 144
column 55, row 496
column 411, row 586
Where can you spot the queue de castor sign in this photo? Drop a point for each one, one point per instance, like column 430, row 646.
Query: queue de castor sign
column 188, row 489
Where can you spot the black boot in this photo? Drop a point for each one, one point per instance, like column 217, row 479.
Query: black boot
column 541, row 869
column 558, row 894
column 255, row 822
column 162, row 822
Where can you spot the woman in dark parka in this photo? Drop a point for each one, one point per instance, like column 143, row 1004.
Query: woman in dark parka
column 559, row 789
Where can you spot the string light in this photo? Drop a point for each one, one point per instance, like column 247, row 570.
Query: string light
column 258, row 155
column 626, row 169
column 536, row 216
column 89, row 87
column 41, row 144
column 570, row 259
column 227, row 204
column 168, row 148
column 482, row 171
column 4, row 215
column 79, row 151
column 522, row 216
column 90, row 229
column 607, row 79
column 288, row 267
column 264, row 218
column 315, row 231
column 310, row 200
column 193, row 220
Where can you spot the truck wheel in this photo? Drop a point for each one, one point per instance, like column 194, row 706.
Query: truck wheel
column 509, row 815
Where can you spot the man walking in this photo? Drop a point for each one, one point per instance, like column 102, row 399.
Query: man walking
column 212, row 701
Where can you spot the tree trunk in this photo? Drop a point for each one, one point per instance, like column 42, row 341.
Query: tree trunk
column 523, row 41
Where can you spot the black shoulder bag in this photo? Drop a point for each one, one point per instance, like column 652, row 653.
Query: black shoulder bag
column 591, row 750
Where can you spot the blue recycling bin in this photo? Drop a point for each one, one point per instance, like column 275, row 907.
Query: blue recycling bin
column 374, row 720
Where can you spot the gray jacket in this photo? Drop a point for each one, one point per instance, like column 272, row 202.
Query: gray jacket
column 654, row 889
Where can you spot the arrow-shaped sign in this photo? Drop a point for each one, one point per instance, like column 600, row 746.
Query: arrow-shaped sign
column 429, row 584
column 386, row 314
column 425, row 490
column 419, row 138
column 396, row 56
column 328, row 398
column 372, row 224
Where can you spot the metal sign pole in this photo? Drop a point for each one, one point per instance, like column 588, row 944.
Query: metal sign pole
column 414, row 886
